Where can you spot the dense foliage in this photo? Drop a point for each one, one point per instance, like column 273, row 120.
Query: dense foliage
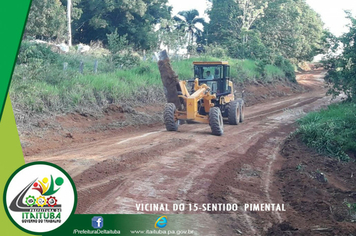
column 246, row 29
column 136, row 19
column 264, row 29
column 341, row 75
column 46, row 20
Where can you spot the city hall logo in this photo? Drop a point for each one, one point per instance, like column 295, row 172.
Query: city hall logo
column 39, row 197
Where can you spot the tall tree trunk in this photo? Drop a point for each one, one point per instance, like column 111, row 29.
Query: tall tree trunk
column 69, row 11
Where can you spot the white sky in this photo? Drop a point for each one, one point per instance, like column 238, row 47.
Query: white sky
column 185, row 5
column 331, row 11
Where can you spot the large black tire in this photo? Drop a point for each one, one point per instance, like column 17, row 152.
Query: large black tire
column 216, row 121
column 234, row 112
column 168, row 115
column 242, row 109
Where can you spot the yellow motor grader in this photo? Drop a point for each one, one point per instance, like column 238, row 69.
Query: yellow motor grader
column 209, row 100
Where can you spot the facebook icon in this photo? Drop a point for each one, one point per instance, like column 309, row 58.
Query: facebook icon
column 97, row 222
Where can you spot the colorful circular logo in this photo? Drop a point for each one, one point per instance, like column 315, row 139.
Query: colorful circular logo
column 39, row 197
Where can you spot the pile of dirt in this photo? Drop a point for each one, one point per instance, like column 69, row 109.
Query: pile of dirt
column 320, row 191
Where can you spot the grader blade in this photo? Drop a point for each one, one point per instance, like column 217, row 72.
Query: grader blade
column 169, row 79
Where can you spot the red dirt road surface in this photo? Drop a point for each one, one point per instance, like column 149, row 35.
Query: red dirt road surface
column 151, row 165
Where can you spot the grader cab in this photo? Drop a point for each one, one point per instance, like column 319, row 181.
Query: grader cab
column 209, row 98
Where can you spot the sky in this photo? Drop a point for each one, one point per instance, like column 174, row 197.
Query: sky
column 184, row 5
column 331, row 11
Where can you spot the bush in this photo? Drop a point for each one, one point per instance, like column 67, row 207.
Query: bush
column 216, row 51
column 245, row 70
column 121, row 52
column 117, row 43
column 124, row 61
column 272, row 72
column 252, row 49
column 32, row 51
column 287, row 67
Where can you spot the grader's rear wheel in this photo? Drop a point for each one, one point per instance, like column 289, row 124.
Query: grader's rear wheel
column 242, row 109
column 169, row 120
column 216, row 121
column 234, row 113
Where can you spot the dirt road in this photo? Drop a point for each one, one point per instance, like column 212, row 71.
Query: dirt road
column 114, row 174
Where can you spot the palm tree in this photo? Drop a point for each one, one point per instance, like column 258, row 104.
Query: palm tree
column 187, row 21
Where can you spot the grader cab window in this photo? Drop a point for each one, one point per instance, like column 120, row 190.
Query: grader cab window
column 215, row 75
column 208, row 72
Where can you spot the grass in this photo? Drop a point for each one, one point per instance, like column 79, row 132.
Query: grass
column 273, row 72
column 331, row 131
column 41, row 85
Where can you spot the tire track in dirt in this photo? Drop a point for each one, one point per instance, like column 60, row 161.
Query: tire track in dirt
column 255, row 172
column 269, row 178
column 172, row 162
column 114, row 169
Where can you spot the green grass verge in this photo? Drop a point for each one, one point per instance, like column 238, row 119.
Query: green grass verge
column 40, row 84
column 331, row 131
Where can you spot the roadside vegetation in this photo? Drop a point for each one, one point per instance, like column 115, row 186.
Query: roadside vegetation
column 124, row 35
column 333, row 131
column 41, row 84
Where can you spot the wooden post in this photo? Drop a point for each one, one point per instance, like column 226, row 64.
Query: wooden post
column 81, row 67
column 65, row 66
column 96, row 66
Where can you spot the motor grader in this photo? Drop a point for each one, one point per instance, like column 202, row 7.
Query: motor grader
column 209, row 98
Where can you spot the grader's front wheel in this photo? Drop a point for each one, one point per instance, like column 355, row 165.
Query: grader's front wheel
column 216, row 121
column 169, row 120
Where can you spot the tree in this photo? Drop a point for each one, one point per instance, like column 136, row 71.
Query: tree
column 232, row 25
column 275, row 27
column 224, row 22
column 233, row 19
column 291, row 28
column 47, row 19
column 188, row 21
column 69, row 21
column 134, row 18
column 170, row 36
column 342, row 68
column 251, row 11
column 73, row 12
